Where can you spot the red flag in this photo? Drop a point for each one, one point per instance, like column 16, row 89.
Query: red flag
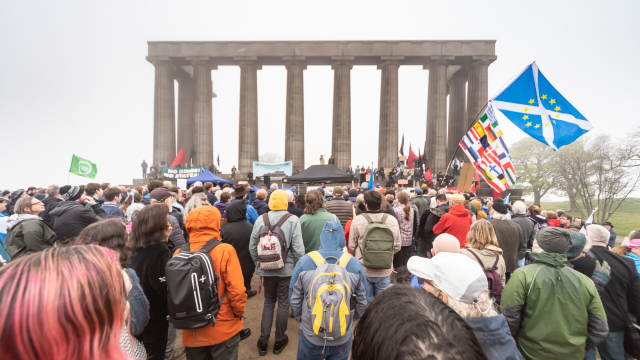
column 473, row 189
column 428, row 177
column 180, row 158
column 476, row 178
column 412, row 156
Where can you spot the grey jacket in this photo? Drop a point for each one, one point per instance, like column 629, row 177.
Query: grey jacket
column 527, row 231
column 510, row 240
column 293, row 235
column 176, row 238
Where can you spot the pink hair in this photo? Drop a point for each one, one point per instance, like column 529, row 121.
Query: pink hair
column 63, row 303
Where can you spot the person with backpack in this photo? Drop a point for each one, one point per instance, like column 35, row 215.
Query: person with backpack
column 327, row 334
column 462, row 285
column 276, row 246
column 482, row 247
column 220, row 338
column 553, row 311
column 374, row 237
column 313, row 220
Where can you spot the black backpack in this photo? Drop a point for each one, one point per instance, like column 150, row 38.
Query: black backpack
column 493, row 278
column 192, row 285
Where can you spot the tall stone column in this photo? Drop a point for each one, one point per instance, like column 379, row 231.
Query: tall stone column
column 437, row 116
column 478, row 89
column 185, row 114
column 457, row 112
column 341, row 134
column 388, row 131
column 164, row 117
column 248, row 131
column 203, row 121
column 294, row 131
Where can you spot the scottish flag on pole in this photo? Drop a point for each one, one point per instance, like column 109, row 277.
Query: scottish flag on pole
column 538, row 109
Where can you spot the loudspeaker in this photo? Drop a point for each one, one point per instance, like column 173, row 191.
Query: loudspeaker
column 363, row 178
column 267, row 181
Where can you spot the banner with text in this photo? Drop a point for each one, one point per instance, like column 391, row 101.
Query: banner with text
column 181, row 172
column 277, row 171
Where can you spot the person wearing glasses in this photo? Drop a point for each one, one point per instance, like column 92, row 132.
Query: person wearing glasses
column 27, row 233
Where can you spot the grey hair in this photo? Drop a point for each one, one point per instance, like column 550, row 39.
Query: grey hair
column 289, row 195
column 167, row 184
column 519, row 207
column 497, row 216
column 197, row 200
column 53, row 190
column 274, row 187
column 596, row 233
column 483, row 306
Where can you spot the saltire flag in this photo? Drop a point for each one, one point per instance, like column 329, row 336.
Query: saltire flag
column 538, row 109
column 485, row 147
column 401, row 151
column 83, row 167
column 180, row 158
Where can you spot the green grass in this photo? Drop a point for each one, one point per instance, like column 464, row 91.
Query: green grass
column 624, row 220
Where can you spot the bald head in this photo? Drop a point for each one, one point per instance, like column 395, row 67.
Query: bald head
column 445, row 243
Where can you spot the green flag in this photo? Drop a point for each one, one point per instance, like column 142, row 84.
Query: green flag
column 82, row 167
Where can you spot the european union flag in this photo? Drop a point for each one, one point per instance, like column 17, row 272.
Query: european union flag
column 538, row 109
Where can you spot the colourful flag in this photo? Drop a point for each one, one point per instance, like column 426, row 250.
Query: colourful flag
column 485, row 147
column 83, row 167
column 180, row 158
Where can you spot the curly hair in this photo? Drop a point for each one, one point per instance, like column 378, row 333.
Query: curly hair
column 313, row 201
column 481, row 234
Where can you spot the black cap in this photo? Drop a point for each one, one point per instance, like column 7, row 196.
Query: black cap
column 161, row 194
column 500, row 207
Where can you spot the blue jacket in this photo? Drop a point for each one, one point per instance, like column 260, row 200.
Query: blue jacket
column 3, row 237
column 636, row 260
column 112, row 210
column 494, row 337
column 252, row 214
column 332, row 242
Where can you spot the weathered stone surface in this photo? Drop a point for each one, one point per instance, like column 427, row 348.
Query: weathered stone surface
column 341, row 135
column 437, row 117
column 388, row 131
column 294, row 131
column 203, row 122
column 248, row 131
column 164, row 116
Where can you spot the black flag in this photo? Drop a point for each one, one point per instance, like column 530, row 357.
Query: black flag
column 424, row 156
column 402, row 146
column 218, row 160
column 419, row 159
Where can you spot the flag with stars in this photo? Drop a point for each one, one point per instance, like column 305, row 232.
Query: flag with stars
column 538, row 109
column 485, row 147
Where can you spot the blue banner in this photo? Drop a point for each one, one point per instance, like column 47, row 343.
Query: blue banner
column 277, row 171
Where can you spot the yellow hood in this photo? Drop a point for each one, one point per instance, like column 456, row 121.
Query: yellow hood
column 278, row 200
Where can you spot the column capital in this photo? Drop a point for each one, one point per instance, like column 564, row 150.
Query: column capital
column 342, row 61
column 456, row 74
column 290, row 61
column 438, row 60
column 482, row 60
column 248, row 61
column 202, row 60
column 161, row 61
column 389, row 62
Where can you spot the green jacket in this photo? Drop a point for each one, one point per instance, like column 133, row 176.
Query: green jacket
column 553, row 312
column 312, row 227
column 28, row 234
column 421, row 203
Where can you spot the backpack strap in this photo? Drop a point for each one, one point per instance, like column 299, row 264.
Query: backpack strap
column 210, row 245
column 265, row 219
column 353, row 208
column 344, row 259
column 317, row 258
column 477, row 258
column 282, row 219
column 185, row 247
column 384, row 218
column 367, row 217
column 495, row 265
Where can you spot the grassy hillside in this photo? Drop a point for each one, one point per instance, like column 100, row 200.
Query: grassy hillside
column 624, row 220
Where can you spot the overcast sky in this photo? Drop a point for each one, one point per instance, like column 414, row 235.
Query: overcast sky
column 74, row 79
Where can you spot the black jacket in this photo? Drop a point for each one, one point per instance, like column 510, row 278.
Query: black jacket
column 260, row 206
column 50, row 203
column 238, row 234
column 624, row 284
column 71, row 217
column 293, row 210
column 149, row 264
column 428, row 221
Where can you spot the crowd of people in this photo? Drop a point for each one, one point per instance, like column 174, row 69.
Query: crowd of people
column 91, row 272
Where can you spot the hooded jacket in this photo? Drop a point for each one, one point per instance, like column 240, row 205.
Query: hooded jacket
column 428, row 221
column 488, row 258
column 456, row 222
column 71, row 217
column 237, row 233
column 291, row 230
column 554, row 222
column 27, row 234
column 511, row 241
column 494, row 336
column 554, row 312
column 311, row 225
column 332, row 242
column 50, row 203
column 421, row 203
column 260, row 206
column 222, row 207
column 203, row 224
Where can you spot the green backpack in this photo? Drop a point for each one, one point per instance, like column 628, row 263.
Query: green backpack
column 377, row 245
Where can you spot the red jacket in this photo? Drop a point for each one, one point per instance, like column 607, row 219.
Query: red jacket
column 456, row 222
column 554, row 222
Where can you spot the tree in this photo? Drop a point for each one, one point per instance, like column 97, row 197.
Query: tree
column 271, row 158
column 532, row 161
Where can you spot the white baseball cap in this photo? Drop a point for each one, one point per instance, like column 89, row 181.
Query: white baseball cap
column 457, row 275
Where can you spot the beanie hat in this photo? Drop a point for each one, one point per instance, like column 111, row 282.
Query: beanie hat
column 71, row 192
column 337, row 191
column 579, row 241
column 16, row 195
column 500, row 207
column 418, row 191
column 364, row 185
column 554, row 239
column 321, row 190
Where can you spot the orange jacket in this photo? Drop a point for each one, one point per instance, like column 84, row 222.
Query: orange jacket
column 203, row 224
